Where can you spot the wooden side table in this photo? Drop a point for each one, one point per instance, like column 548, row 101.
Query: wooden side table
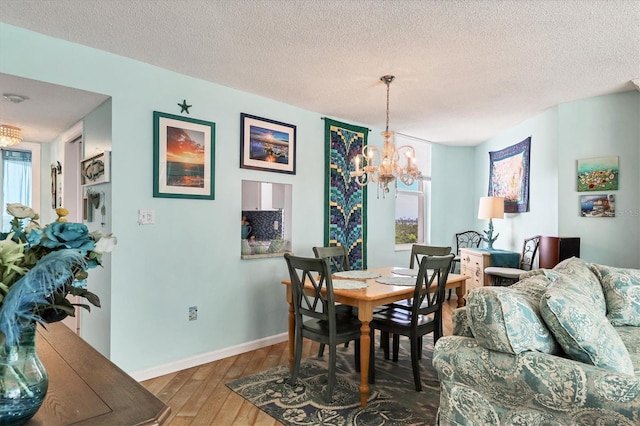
column 86, row 388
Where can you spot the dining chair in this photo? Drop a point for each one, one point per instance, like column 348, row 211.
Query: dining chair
column 315, row 314
column 418, row 251
column 422, row 317
column 509, row 276
column 338, row 261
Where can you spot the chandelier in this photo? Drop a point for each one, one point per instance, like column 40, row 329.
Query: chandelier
column 384, row 167
column 10, row 135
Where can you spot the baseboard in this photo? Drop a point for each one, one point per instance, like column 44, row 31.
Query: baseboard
column 194, row 361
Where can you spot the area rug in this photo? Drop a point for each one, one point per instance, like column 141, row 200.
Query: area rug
column 393, row 399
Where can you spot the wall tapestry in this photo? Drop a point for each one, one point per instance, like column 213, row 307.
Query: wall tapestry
column 598, row 174
column 345, row 201
column 509, row 176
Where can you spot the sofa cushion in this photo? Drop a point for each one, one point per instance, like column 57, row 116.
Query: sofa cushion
column 578, row 271
column 583, row 331
column 622, row 293
column 507, row 319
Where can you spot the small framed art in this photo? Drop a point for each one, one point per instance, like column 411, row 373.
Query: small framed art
column 183, row 157
column 267, row 145
column 96, row 169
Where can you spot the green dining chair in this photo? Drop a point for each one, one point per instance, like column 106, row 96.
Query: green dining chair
column 418, row 251
column 424, row 316
column 338, row 261
column 315, row 314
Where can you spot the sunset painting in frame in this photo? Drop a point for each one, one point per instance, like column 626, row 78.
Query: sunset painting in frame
column 183, row 157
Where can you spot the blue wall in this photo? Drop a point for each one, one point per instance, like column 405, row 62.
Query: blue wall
column 596, row 127
column 191, row 255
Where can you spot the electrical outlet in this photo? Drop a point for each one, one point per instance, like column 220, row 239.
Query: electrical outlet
column 193, row 313
column 275, row 225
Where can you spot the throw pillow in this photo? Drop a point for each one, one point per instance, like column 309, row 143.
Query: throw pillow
column 507, row 319
column 578, row 271
column 622, row 293
column 584, row 333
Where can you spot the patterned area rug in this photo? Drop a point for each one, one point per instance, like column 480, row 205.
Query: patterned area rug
column 392, row 399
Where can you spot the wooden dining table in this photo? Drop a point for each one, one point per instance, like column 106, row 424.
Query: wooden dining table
column 366, row 300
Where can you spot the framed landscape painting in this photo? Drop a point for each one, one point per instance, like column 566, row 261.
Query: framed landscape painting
column 598, row 174
column 267, row 145
column 183, row 157
column 598, row 205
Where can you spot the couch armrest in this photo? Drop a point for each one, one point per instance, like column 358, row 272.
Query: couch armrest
column 480, row 386
column 461, row 323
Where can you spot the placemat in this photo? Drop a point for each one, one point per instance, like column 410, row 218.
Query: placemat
column 408, row 281
column 405, row 271
column 348, row 284
column 363, row 275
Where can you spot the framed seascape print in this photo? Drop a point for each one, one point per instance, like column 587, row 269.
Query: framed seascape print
column 267, row 145
column 509, row 176
column 95, row 169
column 598, row 174
column 183, row 157
column 598, row 205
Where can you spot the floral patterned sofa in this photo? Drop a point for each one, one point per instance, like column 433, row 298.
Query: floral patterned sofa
column 560, row 347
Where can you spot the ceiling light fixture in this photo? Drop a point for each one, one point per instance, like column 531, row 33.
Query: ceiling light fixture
column 12, row 97
column 10, row 135
column 384, row 168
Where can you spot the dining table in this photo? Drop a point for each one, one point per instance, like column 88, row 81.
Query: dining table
column 366, row 298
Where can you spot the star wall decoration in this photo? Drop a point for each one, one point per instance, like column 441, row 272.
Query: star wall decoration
column 184, row 107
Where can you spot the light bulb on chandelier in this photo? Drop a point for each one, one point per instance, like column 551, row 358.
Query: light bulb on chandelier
column 373, row 166
column 10, row 135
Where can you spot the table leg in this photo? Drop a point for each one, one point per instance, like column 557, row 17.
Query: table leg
column 460, row 294
column 292, row 332
column 365, row 340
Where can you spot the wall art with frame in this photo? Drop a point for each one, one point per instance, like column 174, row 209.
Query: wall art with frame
column 96, row 169
column 598, row 205
column 598, row 174
column 509, row 176
column 183, row 157
column 267, row 145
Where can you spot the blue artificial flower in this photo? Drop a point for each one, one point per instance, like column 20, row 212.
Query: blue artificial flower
column 68, row 235
column 33, row 237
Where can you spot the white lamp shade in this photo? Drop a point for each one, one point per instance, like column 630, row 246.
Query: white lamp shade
column 491, row 208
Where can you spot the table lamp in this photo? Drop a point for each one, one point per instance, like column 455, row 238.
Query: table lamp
column 491, row 208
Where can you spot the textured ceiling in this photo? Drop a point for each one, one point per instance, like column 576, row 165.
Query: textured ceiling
column 465, row 70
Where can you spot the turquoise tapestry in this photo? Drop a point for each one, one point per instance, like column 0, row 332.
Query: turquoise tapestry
column 345, row 201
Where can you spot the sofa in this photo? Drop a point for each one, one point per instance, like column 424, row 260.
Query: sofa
column 560, row 347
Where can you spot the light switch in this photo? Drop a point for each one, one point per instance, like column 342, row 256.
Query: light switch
column 275, row 225
column 145, row 217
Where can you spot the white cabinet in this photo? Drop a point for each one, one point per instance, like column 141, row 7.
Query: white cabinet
column 262, row 195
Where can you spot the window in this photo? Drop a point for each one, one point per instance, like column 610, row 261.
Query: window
column 17, row 181
column 412, row 201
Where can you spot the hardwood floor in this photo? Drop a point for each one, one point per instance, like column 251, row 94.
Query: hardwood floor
column 198, row 395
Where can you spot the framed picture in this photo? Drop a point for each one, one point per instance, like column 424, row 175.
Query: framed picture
column 183, row 157
column 54, row 187
column 598, row 205
column 267, row 145
column 598, row 174
column 95, row 169
column 509, row 176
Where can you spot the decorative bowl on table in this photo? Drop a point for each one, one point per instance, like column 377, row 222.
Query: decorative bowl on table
column 277, row 245
column 261, row 247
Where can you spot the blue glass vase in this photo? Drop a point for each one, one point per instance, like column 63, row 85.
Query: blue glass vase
column 23, row 380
